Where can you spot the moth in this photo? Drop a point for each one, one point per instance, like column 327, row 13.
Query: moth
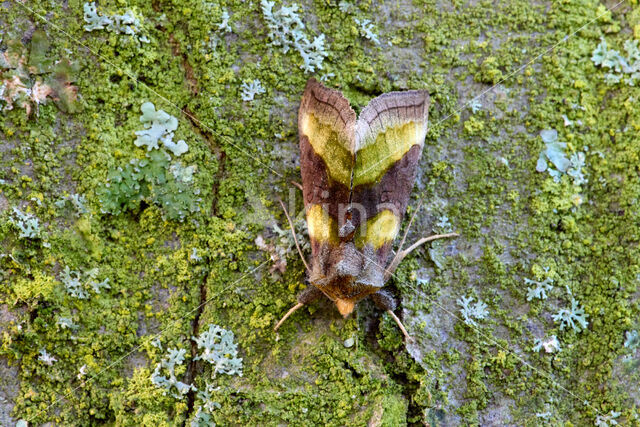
column 357, row 175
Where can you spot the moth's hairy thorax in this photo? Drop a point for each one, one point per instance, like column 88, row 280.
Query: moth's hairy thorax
column 344, row 272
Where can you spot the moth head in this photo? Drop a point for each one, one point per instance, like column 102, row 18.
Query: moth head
column 345, row 306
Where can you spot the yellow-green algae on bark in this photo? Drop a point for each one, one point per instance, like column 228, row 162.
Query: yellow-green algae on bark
column 478, row 169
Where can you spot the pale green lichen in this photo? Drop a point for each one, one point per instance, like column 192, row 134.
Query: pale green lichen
column 574, row 317
column 156, row 178
column 30, row 77
column 126, row 23
column 168, row 366
column 470, row 312
column 27, row 224
column 159, row 127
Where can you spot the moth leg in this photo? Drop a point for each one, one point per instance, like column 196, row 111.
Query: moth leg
column 309, row 294
column 402, row 253
column 297, row 184
column 385, row 301
column 293, row 232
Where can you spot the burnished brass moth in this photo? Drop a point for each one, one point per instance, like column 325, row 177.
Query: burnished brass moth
column 357, row 175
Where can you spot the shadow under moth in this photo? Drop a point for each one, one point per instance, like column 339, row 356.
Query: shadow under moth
column 357, row 175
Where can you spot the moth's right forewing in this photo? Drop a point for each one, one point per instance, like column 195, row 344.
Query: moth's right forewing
column 390, row 134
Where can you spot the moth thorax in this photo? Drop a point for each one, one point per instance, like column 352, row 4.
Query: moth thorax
column 345, row 223
column 349, row 262
column 346, row 231
column 372, row 273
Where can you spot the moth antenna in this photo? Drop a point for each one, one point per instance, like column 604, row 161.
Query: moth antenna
column 406, row 232
column 297, row 184
column 403, row 253
column 401, row 326
column 429, row 239
column 295, row 239
column 289, row 313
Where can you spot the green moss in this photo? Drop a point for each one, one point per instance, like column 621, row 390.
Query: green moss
column 40, row 286
column 394, row 411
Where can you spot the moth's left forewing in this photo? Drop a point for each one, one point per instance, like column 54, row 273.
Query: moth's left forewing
column 390, row 134
column 326, row 125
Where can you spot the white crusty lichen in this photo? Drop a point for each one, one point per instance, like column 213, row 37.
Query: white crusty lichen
column 367, row 30
column 606, row 420
column 46, row 358
column 73, row 283
column 632, row 339
column 574, row 317
column 77, row 201
column 159, row 127
column 287, row 31
column 472, row 311
column 66, row 323
column 126, row 23
column 250, row 90
column 77, row 283
column 27, row 223
column 224, row 25
column 443, row 225
column 554, row 152
column 540, row 289
column 550, row 345
column 622, row 68
column 171, row 384
column 475, row 105
column 216, row 346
